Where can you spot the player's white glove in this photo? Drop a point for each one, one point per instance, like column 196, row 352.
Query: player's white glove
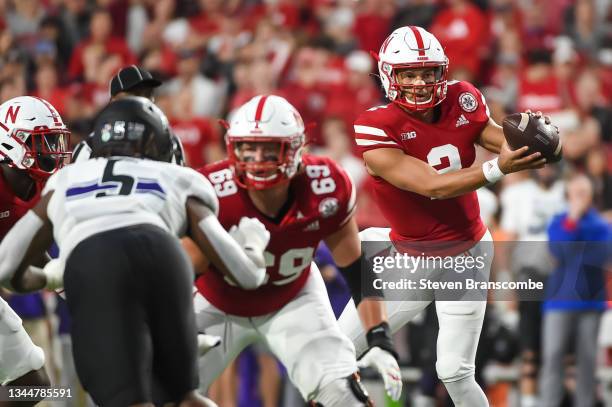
column 253, row 237
column 382, row 357
column 386, row 365
column 54, row 271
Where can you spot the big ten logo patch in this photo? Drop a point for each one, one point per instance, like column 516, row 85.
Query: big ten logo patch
column 408, row 135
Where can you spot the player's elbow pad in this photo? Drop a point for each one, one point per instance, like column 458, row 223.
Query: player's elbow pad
column 360, row 279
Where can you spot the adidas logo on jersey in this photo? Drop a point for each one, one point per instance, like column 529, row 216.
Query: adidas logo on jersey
column 408, row 135
column 461, row 121
column 312, row 226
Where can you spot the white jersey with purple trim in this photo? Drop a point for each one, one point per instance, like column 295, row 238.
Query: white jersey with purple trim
column 102, row 194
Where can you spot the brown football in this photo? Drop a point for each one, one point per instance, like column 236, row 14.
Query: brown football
column 523, row 129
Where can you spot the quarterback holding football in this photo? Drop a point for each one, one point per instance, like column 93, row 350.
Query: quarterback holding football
column 420, row 148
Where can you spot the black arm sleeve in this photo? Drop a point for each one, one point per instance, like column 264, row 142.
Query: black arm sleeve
column 360, row 279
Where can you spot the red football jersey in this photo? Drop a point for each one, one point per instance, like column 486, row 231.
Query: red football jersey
column 323, row 201
column 447, row 145
column 11, row 207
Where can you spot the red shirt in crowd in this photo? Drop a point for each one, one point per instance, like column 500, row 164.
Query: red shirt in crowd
column 195, row 134
column 463, row 36
column 286, row 14
column 311, row 102
column 371, row 30
column 542, row 95
column 57, row 98
column 347, row 102
column 113, row 45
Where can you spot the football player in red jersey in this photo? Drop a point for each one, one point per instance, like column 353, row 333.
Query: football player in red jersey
column 301, row 199
column 33, row 145
column 420, row 149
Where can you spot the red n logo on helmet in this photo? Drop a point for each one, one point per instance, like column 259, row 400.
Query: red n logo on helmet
column 12, row 114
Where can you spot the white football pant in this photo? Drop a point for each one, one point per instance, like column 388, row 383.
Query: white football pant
column 303, row 335
column 460, row 325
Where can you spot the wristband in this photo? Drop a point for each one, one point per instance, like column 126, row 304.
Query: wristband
column 491, row 170
column 380, row 336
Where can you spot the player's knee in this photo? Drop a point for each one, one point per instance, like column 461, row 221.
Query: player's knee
column 453, row 367
column 343, row 392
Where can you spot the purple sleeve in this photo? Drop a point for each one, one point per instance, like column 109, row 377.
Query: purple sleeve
column 323, row 256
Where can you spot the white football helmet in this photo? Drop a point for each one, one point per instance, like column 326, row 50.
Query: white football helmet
column 265, row 118
column 412, row 47
column 33, row 136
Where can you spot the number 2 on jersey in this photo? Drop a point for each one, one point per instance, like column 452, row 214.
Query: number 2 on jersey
column 441, row 155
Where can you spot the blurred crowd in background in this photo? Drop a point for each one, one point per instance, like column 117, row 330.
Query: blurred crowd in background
column 554, row 56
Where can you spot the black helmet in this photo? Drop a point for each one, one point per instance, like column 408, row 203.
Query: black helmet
column 132, row 126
